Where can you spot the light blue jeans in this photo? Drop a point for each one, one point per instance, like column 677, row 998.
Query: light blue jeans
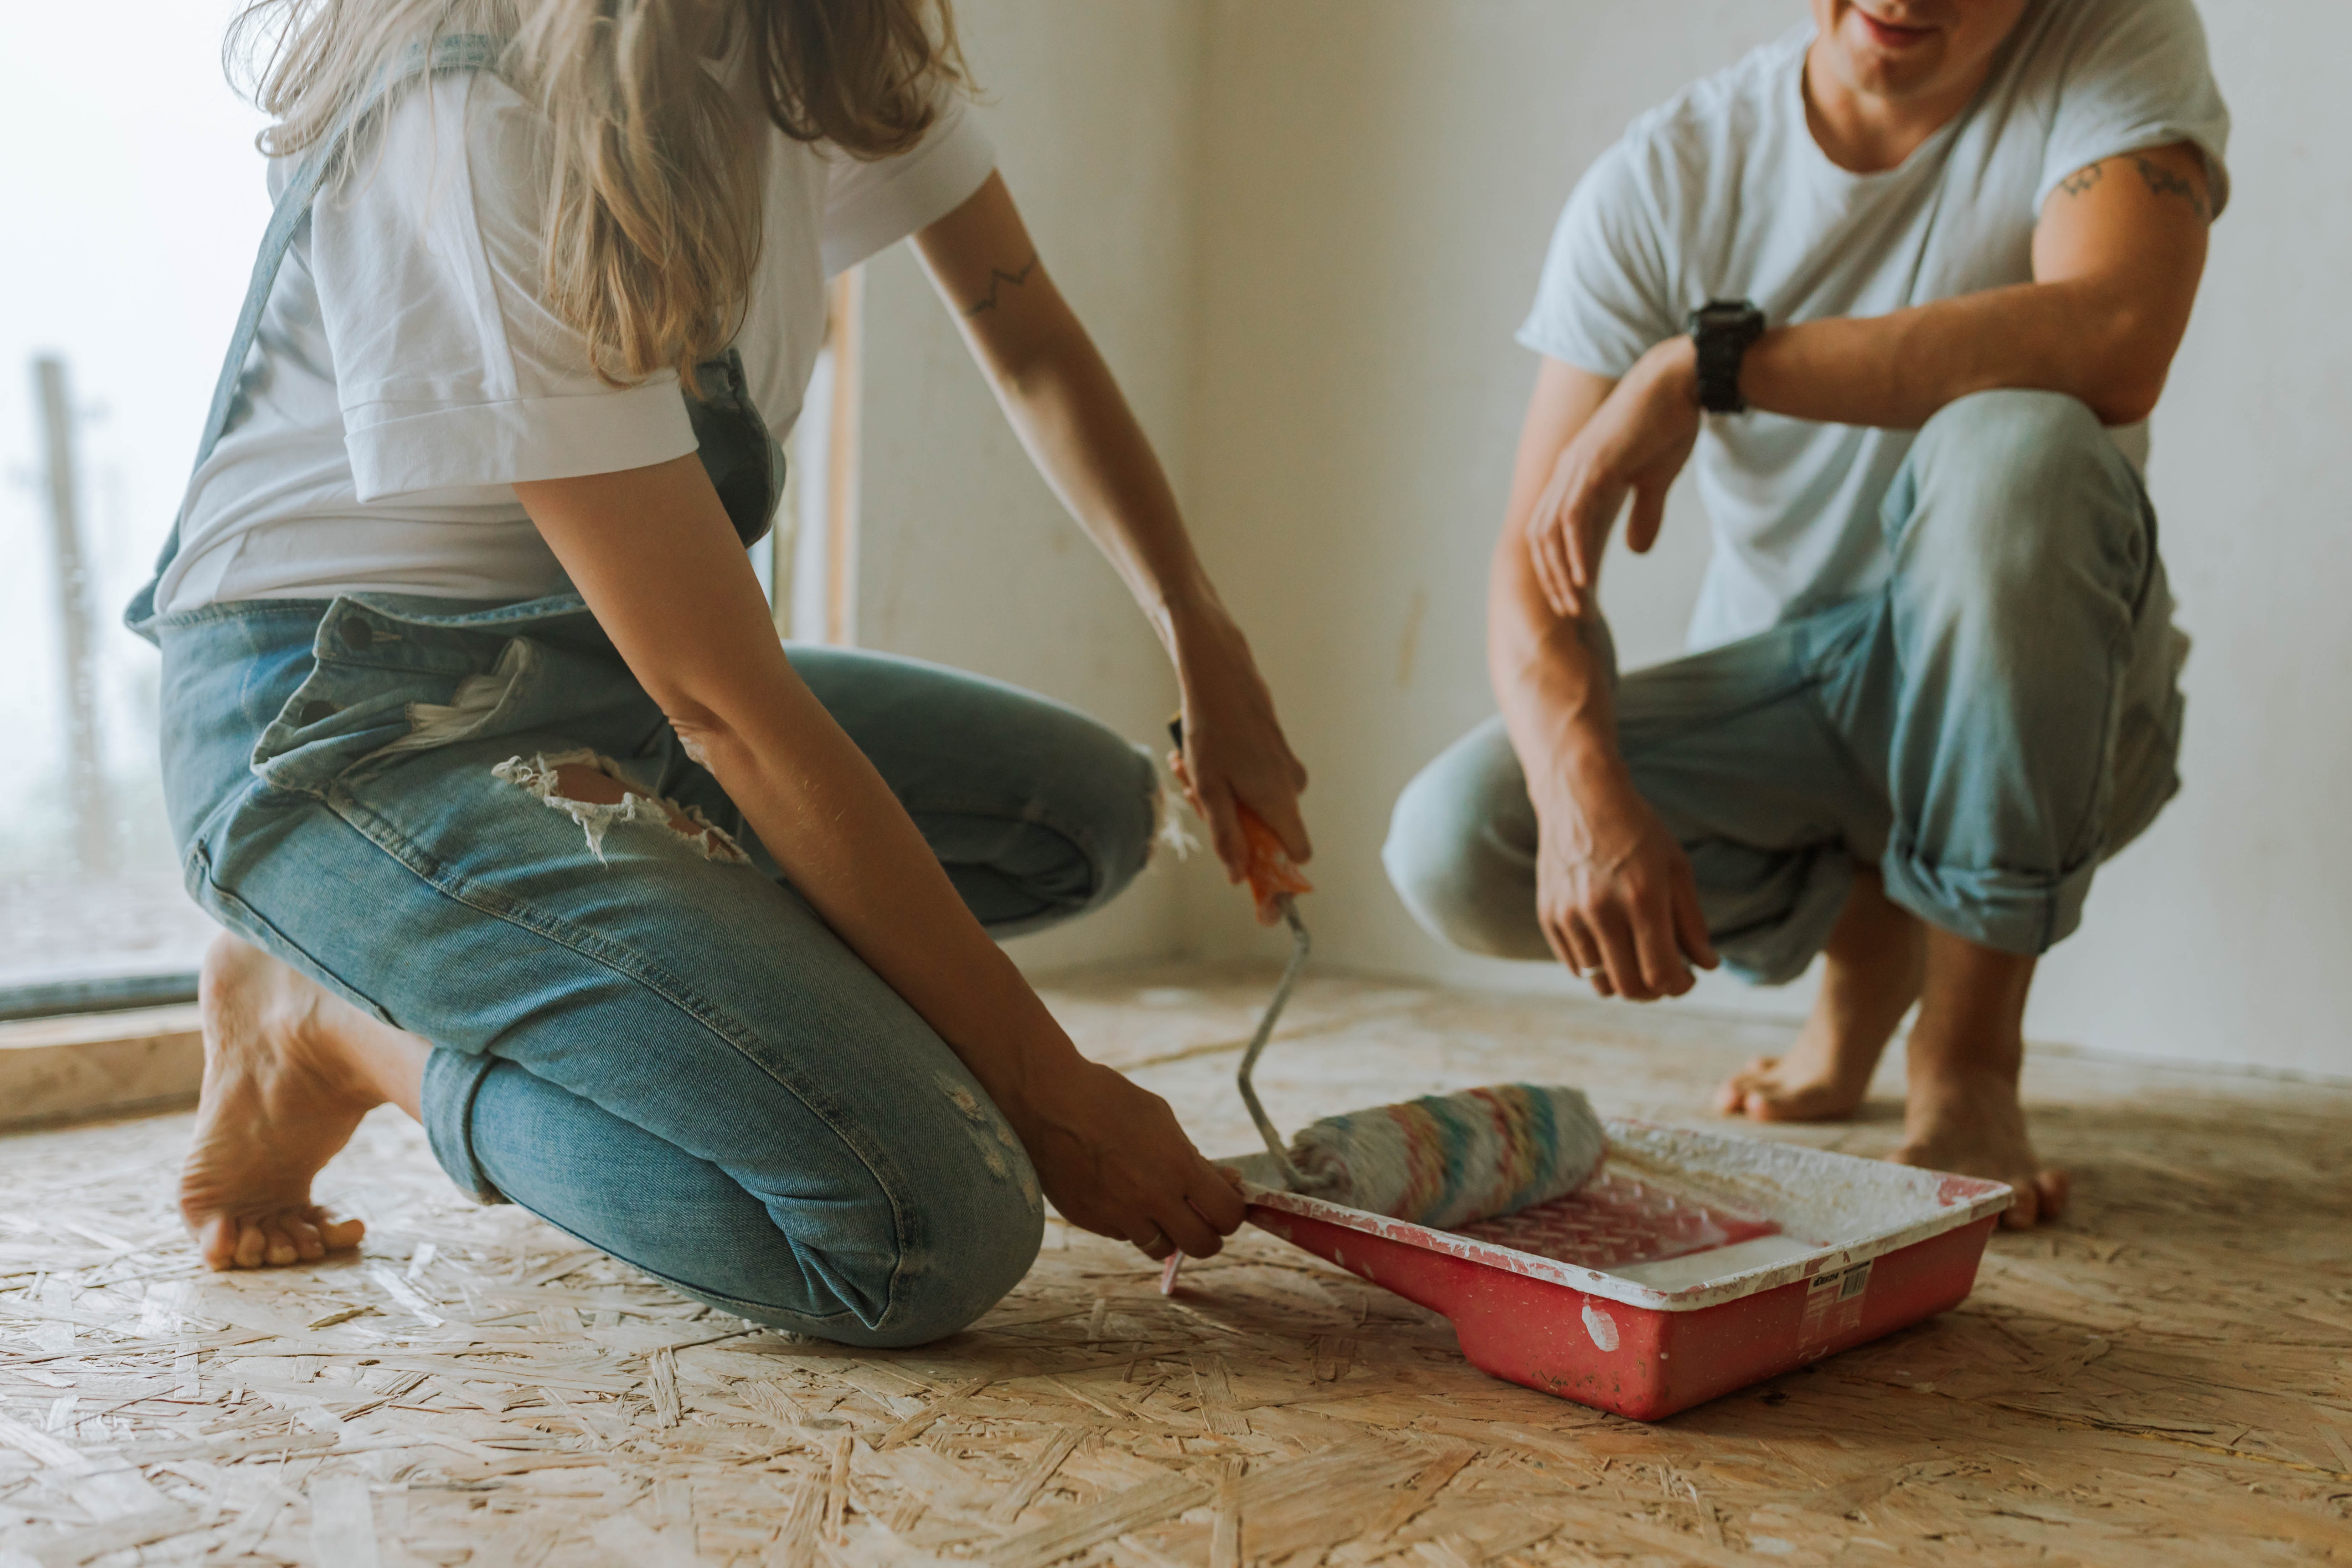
column 651, row 1040
column 2002, row 717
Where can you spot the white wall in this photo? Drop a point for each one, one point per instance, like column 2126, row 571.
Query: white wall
column 964, row 556
column 1380, row 179
column 2222, row 936
column 1304, row 231
column 1383, row 177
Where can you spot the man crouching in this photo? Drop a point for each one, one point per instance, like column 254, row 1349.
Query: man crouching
column 1916, row 275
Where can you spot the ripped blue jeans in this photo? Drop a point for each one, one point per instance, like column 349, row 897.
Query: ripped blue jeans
column 641, row 1034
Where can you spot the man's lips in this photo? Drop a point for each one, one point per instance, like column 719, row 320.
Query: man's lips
column 1889, row 35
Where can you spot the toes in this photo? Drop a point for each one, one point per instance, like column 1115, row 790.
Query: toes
column 2039, row 1197
column 251, row 1244
column 216, row 1243
column 1741, row 1092
column 339, row 1235
column 280, row 1250
column 299, row 1229
column 2051, row 1188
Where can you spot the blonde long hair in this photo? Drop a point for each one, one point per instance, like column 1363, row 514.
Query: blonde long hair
column 652, row 216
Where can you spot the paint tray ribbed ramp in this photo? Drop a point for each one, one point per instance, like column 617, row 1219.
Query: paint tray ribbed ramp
column 1693, row 1264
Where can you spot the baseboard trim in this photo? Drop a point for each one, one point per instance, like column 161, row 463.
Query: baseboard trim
column 91, row 1065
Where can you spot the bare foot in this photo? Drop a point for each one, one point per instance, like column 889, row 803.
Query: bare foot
column 1973, row 1125
column 280, row 1096
column 1822, row 1080
column 1873, row 976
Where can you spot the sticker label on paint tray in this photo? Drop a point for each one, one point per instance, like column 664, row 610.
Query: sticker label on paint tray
column 1832, row 1308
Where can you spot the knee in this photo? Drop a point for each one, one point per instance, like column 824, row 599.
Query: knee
column 903, row 1265
column 970, row 1218
column 1104, row 797
column 2013, row 500
column 1126, row 803
column 958, row 1266
column 1449, row 864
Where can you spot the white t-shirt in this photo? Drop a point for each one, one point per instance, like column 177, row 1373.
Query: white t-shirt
column 407, row 372
column 1722, row 192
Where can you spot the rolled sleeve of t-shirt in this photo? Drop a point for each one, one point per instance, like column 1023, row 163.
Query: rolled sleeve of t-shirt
column 452, row 370
column 1601, row 302
column 872, row 204
column 2136, row 75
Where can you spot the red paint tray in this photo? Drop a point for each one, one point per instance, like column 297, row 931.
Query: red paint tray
column 1692, row 1265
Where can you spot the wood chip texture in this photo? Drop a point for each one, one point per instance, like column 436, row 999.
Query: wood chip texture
column 2163, row 1378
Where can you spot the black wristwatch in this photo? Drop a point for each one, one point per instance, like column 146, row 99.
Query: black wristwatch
column 1722, row 329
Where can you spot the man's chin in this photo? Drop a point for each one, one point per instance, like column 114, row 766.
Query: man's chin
column 1881, row 73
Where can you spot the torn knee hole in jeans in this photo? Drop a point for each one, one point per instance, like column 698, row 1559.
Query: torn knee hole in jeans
column 592, row 790
column 1000, row 1150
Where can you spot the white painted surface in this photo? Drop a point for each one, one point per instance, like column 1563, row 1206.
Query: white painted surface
column 965, row 557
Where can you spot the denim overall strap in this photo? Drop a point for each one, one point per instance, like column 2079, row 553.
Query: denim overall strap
column 458, row 52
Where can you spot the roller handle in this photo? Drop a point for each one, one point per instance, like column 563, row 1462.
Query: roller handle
column 1272, row 878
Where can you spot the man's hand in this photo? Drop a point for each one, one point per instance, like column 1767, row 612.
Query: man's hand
column 1614, row 892
column 1615, row 895
column 1634, row 444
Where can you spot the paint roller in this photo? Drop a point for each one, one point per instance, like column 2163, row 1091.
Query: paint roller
column 1442, row 1160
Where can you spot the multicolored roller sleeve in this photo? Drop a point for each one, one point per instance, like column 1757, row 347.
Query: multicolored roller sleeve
column 1446, row 1159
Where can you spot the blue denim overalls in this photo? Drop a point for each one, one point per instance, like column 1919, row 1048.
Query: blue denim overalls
column 641, row 1033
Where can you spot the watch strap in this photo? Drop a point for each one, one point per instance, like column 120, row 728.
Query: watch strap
column 1721, row 330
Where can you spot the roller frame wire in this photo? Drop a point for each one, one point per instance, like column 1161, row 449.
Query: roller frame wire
column 1300, row 944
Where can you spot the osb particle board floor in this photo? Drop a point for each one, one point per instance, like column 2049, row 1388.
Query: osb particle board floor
column 2165, row 1378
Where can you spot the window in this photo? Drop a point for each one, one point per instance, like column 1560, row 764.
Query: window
column 131, row 228
column 810, row 562
column 131, row 237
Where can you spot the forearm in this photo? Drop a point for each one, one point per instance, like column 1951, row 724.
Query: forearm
column 2117, row 256
column 1551, row 680
column 1068, row 411
column 652, row 551
column 846, row 845
column 2082, row 337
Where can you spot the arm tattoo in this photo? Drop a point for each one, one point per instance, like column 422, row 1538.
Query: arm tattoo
column 2159, row 179
column 998, row 278
column 2164, row 182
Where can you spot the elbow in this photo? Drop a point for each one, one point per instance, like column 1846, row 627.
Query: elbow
column 2127, row 373
column 2127, row 400
column 703, row 733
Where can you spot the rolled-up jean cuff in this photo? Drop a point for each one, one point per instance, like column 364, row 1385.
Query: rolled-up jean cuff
column 452, row 1078
column 2013, row 911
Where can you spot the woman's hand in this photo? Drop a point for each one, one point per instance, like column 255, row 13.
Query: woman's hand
column 1114, row 1161
column 1234, row 753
